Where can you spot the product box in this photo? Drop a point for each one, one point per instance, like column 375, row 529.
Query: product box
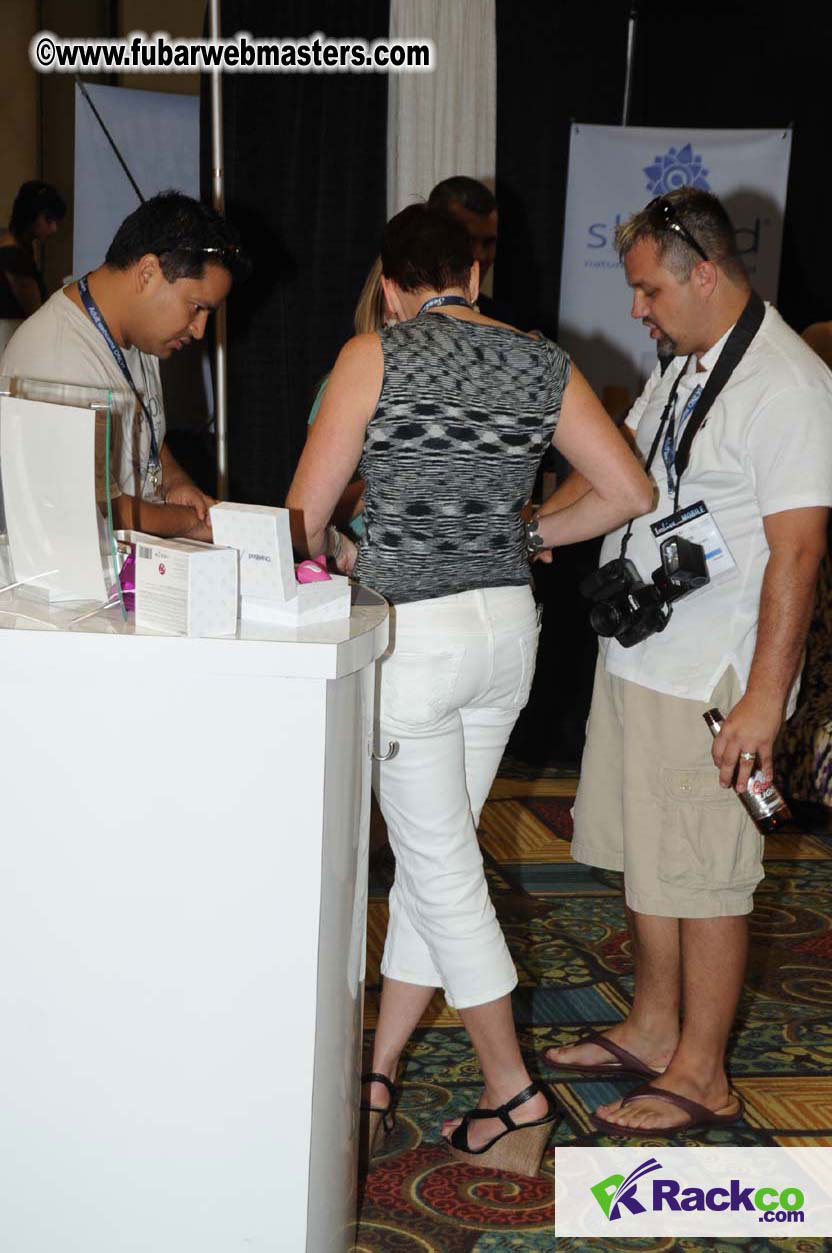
column 261, row 535
column 314, row 602
column 184, row 587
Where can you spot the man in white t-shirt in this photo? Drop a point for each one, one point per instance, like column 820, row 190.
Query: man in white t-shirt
column 657, row 795
column 170, row 264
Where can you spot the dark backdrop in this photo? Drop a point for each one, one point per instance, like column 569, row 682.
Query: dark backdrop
column 703, row 65
column 305, row 163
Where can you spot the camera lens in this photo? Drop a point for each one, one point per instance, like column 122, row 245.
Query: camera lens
column 605, row 619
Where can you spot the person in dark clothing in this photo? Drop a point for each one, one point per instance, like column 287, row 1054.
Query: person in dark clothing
column 472, row 204
column 37, row 210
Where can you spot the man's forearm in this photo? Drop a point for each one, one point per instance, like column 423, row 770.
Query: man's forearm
column 172, row 473
column 786, row 601
column 134, row 514
column 797, row 542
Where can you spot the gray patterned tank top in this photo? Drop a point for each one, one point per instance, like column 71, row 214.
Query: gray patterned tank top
column 451, row 453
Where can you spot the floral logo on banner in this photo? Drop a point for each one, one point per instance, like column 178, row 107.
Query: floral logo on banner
column 679, row 167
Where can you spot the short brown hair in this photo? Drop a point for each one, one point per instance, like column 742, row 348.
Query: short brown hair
column 704, row 217
column 422, row 248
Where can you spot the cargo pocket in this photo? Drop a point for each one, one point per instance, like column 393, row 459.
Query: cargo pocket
column 418, row 688
column 707, row 839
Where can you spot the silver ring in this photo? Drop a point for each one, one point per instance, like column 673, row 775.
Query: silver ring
column 748, row 756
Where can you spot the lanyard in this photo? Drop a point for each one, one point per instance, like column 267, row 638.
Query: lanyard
column 674, row 430
column 436, row 302
column 97, row 319
column 733, row 351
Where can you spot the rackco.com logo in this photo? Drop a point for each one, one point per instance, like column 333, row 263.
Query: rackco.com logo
column 617, row 1194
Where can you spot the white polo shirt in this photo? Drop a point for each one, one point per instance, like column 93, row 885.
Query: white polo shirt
column 766, row 446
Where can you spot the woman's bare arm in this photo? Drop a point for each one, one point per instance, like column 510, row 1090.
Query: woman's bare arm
column 335, row 441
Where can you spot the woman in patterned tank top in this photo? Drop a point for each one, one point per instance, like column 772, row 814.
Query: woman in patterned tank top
column 447, row 414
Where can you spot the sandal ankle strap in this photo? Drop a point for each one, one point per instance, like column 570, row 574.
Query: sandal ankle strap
column 388, row 1113
column 503, row 1111
column 459, row 1137
column 372, row 1076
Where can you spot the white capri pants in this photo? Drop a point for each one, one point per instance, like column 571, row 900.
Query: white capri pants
column 457, row 677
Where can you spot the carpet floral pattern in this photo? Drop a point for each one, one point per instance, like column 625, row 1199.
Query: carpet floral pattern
column 566, row 928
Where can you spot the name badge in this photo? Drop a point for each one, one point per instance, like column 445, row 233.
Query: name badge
column 696, row 524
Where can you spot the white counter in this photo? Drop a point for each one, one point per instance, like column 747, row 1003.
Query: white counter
column 182, row 919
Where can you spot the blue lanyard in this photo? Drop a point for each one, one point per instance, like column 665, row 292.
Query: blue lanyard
column 674, row 431
column 436, row 302
column 97, row 319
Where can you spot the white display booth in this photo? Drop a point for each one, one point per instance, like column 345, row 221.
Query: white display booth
column 182, row 924
column 183, row 890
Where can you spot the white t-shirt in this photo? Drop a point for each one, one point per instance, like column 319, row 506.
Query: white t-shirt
column 59, row 343
column 766, row 446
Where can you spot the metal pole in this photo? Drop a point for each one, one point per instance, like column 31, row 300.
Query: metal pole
column 109, row 138
column 220, row 324
column 628, row 78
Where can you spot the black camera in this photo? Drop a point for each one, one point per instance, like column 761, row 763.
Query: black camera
column 632, row 610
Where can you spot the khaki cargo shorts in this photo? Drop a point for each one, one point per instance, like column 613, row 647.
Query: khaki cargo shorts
column 649, row 803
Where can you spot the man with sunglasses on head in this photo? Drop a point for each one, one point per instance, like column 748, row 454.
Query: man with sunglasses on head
column 738, row 436
column 170, row 264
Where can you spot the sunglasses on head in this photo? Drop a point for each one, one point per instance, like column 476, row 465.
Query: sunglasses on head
column 231, row 257
column 228, row 256
column 662, row 215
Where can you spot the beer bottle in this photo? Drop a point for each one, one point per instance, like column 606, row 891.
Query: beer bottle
column 763, row 801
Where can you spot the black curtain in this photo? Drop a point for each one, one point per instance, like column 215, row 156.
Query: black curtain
column 555, row 62
column 305, row 163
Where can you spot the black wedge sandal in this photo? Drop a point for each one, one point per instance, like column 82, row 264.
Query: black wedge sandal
column 379, row 1117
column 520, row 1147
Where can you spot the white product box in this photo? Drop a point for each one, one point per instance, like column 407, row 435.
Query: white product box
column 185, row 588
column 315, row 602
column 261, row 535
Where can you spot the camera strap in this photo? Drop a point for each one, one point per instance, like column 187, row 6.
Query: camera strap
column 734, row 349
column 732, row 353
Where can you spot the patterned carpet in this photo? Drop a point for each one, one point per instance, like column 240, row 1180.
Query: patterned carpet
column 566, row 930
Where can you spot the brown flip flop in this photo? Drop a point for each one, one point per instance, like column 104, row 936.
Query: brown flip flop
column 699, row 1116
column 626, row 1063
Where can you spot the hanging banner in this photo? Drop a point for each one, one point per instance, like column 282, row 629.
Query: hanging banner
column 615, row 171
column 156, row 132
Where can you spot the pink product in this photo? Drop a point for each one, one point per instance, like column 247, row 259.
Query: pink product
column 127, row 579
column 313, row 570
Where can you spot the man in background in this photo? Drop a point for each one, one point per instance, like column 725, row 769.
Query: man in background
column 476, row 208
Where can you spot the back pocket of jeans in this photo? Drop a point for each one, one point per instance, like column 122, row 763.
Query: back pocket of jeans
column 418, row 688
column 528, row 656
